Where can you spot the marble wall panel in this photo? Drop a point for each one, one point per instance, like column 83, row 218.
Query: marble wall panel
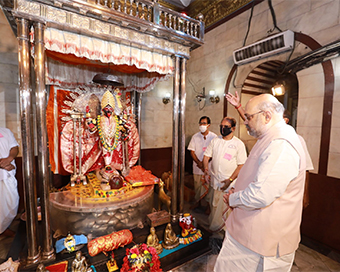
column 9, row 58
column 259, row 23
column 333, row 165
column 334, row 146
column 214, row 59
column 310, row 112
column 9, row 92
column 311, row 85
column 287, row 10
column 312, row 137
column 336, row 97
column 9, row 73
column 336, row 115
column 226, row 38
column 10, row 43
column 306, row 22
column 327, row 36
column 317, row 3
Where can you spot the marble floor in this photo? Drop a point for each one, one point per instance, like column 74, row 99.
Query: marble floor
column 306, row 259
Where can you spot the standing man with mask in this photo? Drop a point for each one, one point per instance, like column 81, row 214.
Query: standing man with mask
column 228, row 154
column 263, row 229
column 198, row 144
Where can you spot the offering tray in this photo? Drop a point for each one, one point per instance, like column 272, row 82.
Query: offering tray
column 80, row 210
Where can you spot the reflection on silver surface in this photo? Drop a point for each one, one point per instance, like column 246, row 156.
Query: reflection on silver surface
column 99, row 217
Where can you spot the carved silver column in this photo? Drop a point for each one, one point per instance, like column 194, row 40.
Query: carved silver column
column 175, row 134
column 181, row 137
column 27, row 137
column 43, row 173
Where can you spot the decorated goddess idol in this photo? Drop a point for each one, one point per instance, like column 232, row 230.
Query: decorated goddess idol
column 107, row 141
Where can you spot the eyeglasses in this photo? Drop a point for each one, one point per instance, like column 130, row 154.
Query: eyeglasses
column 250, row 116
column 221, row 126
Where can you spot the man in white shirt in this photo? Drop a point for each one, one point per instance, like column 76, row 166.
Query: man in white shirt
column 228, row 154
column 263, row 229
column 9, row 200
column 198, row 144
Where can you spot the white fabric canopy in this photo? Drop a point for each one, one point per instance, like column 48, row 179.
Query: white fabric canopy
column 72, row 76
column 106, row 51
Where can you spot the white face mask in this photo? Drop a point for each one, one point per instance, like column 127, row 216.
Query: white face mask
column 203, row 128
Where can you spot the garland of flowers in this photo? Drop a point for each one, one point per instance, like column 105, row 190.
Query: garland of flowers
column 141, row 258
column 102, row 136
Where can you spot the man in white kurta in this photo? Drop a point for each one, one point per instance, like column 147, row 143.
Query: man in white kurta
column 263, row 227
column 198, row 144
column 9, row 200
column 228, row 155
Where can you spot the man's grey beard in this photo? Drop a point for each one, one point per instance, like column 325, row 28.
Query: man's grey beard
column 252, row 132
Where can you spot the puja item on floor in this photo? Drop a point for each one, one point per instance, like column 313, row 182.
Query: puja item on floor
column 41, row 268
column 153, row 241
column 79, row 264
column 112, row 264
column 189, row 233
column 141, row 258
column 158, row 218
column 170, row 240
column 58, row 267
column 70, row 243
column 109, row 242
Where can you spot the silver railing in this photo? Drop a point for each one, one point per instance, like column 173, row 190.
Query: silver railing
column 153, row 12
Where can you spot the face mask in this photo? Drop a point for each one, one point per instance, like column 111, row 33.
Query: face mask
column 225, row 131
column 203, row 128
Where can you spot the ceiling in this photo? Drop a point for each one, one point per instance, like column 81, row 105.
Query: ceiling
column 214, row 12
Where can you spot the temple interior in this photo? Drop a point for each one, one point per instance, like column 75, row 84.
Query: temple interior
column 103, row 98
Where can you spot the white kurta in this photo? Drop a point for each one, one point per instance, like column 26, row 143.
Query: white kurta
column 226, row 156
column 8, row 184
column 269, row 184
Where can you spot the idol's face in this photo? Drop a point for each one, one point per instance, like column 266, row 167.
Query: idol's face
column 108, row 110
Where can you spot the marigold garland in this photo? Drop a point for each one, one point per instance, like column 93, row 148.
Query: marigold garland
column 102, row 136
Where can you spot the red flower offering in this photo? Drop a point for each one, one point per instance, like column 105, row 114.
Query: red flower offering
column 141, row 258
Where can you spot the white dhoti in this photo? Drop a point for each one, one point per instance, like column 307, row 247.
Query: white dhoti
column 218, row 209
column 9, row 201
column 236, row 257
column 201, row 190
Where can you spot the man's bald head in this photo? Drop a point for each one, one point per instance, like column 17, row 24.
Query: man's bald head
column 262, row 112
column 266, row 102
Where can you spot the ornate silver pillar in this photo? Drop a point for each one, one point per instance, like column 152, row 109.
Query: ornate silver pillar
column 175, row 134
column 27, row 137
column 43, row 173
column 181, row 137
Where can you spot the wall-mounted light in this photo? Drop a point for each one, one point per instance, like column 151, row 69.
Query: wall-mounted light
column 278, row 89
column 166, row 98
column 201, row 96
column 213, row 98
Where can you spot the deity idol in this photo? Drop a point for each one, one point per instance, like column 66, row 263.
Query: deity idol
column 107, row 125
column 108, row 136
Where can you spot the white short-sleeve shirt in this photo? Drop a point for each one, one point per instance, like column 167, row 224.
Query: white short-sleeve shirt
column 226, row 156
column 198, row 144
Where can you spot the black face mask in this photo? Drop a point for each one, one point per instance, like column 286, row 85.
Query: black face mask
column 225, row 131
